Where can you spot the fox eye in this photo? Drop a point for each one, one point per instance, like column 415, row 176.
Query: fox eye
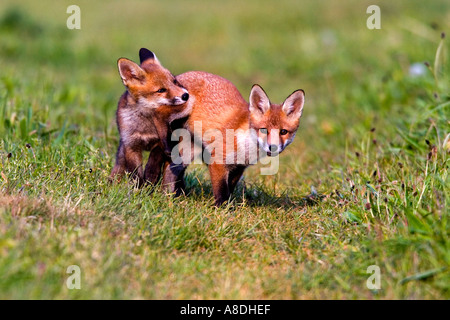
column 263, row 130
column 283, row 132
column 162, row 90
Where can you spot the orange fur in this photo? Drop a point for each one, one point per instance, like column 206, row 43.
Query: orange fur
column 218, row 105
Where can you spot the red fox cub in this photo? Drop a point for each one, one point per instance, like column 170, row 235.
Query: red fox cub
column 256, row 128
column 153, row 99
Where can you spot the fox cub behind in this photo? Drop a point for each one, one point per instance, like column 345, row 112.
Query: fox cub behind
column 152, row 100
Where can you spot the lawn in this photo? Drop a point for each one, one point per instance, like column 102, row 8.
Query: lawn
column 364, row 186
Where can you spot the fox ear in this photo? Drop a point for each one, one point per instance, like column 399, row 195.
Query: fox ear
column 146, row 55
column 259, row 101
column 293, row 105
column 130, row 72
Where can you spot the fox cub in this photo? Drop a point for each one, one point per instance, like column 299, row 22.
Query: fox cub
column 152, row 100
column 217, row 107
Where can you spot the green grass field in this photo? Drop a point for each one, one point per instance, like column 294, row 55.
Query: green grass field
column 364, row 183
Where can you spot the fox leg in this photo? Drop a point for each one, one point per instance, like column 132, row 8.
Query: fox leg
column 234, row 176
column 128, row 160
column 173, row 177
column 119, row 167
column 219, row 182
column 173, row 180
column 133, row 164
column 155, row 164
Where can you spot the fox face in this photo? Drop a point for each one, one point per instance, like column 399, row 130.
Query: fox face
column 274, row 125
column 150, row 84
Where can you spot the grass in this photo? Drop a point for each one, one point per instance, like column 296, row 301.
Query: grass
column 364, row 183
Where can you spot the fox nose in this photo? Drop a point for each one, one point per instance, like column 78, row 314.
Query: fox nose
column 185, row 96
column 273, row 148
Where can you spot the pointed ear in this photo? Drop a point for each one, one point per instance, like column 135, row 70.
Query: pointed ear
column 259, row 101
column 130, row 72
column 293, row 105
column 147, row 56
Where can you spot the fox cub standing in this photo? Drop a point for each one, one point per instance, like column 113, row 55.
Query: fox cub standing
column 217, row 106
column 153, row 99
